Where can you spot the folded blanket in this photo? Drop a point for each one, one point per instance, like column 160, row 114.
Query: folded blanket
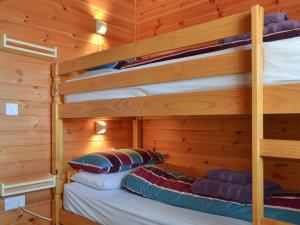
column 233, row 192
column 230, row 176
column 281, row 26
column 275, row 17
column 274, row 22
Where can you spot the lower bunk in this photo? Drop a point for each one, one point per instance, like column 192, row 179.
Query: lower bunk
column 116, row 207
column 151, row 195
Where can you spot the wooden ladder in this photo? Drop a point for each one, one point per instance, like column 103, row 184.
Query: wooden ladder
column 263, row 147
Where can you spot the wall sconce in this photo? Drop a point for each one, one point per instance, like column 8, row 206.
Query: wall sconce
column 101, row 27
column 101, row 127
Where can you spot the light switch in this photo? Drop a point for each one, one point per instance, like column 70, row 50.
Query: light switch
column 11, row 109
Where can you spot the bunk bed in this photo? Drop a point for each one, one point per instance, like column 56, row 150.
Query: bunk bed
column 271, row 99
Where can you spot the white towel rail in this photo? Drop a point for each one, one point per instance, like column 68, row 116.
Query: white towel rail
column 10, row 44
column 27, row 186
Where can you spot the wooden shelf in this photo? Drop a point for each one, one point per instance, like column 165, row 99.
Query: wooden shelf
column 280, row 148
column 23, row 186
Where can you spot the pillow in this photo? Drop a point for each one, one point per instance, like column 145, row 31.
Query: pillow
column 116, row 160
column 100, row 181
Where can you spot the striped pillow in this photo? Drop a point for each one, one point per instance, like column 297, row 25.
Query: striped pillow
column 116, row 160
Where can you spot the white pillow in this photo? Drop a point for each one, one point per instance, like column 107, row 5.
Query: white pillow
column 100, row 181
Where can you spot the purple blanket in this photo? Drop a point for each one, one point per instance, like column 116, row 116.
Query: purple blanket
column 275, row 17
column 229, row 176
column 274, row 22
column 281, row 26
column 233, row 192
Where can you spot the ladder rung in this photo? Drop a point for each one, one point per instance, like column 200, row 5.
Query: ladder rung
column 267, row 221
column 280, row 148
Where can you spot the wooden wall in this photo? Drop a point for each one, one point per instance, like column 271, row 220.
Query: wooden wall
column 160, row 16
column 80, row 137
column 68, row 24
column 197, row 144
column 25, row 140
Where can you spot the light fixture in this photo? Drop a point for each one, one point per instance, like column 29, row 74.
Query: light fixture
column 101, row 127
column 101, row 27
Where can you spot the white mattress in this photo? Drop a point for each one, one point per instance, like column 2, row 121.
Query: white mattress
column 281, row 67
column 116, row 207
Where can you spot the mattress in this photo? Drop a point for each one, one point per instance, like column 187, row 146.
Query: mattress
column 281, row 67
column 114, row 207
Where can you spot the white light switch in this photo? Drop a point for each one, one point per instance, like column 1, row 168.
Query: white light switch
column 11, row 109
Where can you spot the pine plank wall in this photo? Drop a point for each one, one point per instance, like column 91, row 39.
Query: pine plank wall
column 194, row 144
column 69, row 25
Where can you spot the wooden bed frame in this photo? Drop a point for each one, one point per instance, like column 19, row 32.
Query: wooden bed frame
column 277, row 99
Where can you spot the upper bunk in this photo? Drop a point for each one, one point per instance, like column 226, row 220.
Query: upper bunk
column 107, row 95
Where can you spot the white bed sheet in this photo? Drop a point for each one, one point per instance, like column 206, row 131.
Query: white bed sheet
column 281, row 67
column 117, row 207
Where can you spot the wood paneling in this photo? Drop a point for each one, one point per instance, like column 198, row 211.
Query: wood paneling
column 161, row 16
column 25, row 139
column 80, row 136
column 68, row 24
column 25, row 144
column 200, row 143
column 197, row 144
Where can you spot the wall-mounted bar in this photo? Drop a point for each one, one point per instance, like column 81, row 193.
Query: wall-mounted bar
column 22, row 47
column 27, row 186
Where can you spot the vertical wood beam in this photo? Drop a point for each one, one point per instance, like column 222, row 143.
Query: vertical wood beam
column 257, row 26
column 57, row 146
column 137, row 133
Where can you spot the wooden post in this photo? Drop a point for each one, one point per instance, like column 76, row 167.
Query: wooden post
column 137, row 133
column 57, row 147
column 257, row 21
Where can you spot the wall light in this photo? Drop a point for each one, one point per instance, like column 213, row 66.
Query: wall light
column 101, row 27
column 101, row 127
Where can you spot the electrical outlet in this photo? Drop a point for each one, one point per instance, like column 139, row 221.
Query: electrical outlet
column 11, row 109
column 14, row 202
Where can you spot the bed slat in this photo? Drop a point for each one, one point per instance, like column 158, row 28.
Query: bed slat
column 231, row 63
column 280, row 148
column 205, row 32
column 236, row 101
